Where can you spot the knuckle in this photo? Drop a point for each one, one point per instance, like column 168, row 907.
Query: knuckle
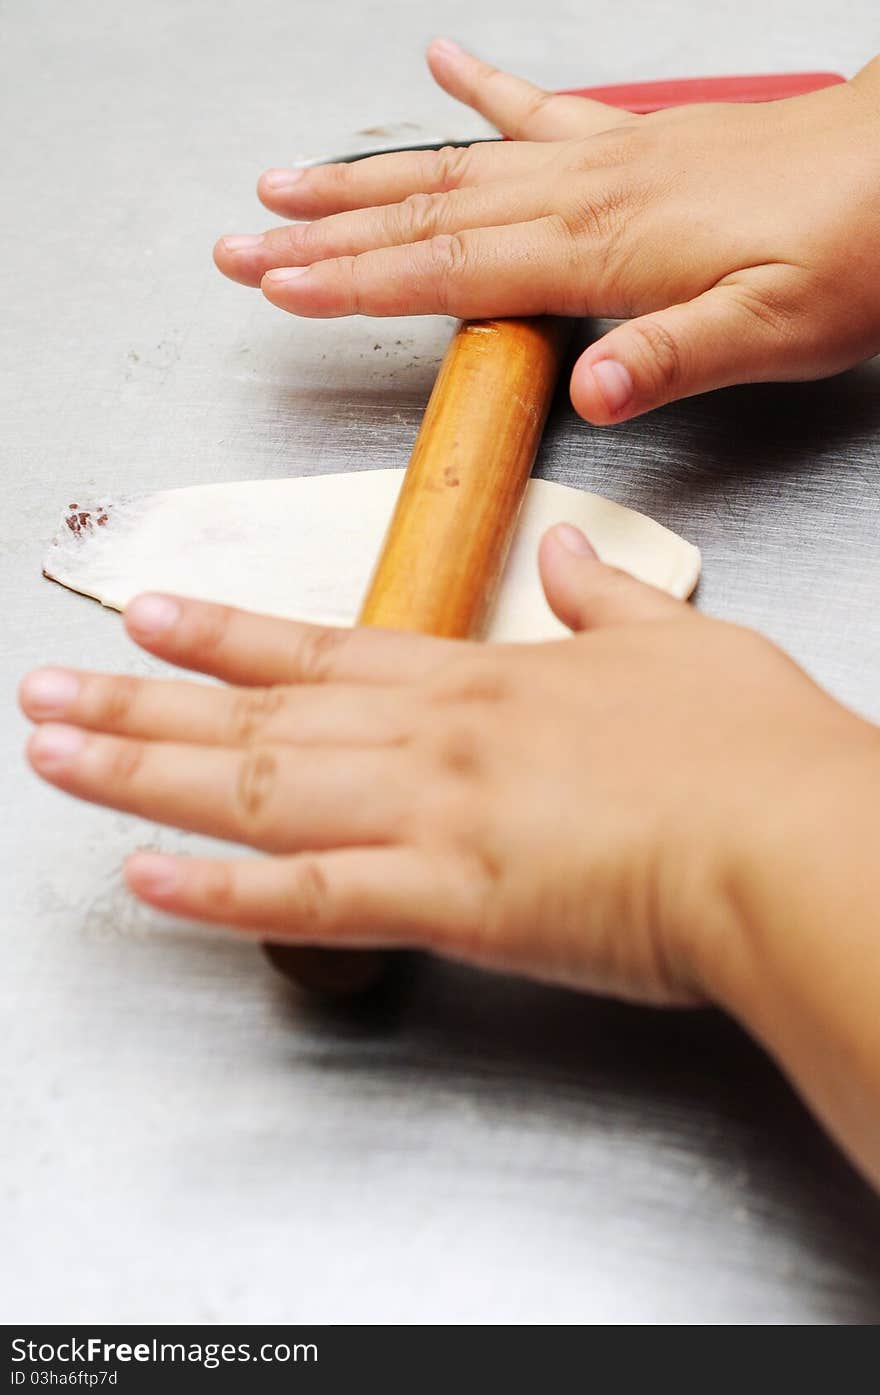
column 482, row 75
column 218, row 892
column 417, row 217
column 566, row 227
column 251, row 711
column 769, row 308
column 793, row 306
column 125, row 761
column 455, row 821
column 255, row 785
column 618, row 145
column 459, row 749
column 449, row 253
column 337, row 179
column 616, row 576
column 114, row 701
column 601, row 214
column 472, row 677
column 487, row 72
column 306, row 239
column 609, row 582
column 350, row 272
column 318, row 654
column 566, row 233
column 660, row 353
column 448, row 167
column 448, row 262
column 473, row 684
column 537, row 104
column 311, row 898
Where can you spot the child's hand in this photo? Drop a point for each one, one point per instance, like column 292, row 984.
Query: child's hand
column 743, row 239
column 663, row 808
column 585, row 812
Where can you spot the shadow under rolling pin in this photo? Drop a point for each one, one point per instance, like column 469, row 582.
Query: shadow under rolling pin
column 451, row 529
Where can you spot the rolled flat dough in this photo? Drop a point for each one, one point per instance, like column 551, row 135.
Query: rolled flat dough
column 305, row 548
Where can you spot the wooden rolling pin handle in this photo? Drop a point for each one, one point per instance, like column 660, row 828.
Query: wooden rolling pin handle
column 451, row 529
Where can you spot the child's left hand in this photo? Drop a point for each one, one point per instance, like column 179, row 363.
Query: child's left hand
column 593, row 811
column 742, row 239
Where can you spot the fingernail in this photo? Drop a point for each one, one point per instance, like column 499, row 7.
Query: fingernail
column 242, row 242
column 152, row 615
column 52, row 748
column 448, row 46
column 155, row 873
column 49, row 692
column 614, row 384
column 285, row 274
column 573, row 540
column 281, row 179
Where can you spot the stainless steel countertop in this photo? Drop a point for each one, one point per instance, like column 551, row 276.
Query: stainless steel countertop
column 184, row 1138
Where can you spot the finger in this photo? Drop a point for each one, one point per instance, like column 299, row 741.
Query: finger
column 381, row 179
column 733, row 333
column 586, row 594
column 279, row 798
column 516, row 270
column 153, row 710
column 260, row 650
column 418, row 217
column 518, row 108
column 376, row 896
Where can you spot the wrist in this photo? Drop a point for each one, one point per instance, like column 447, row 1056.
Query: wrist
column 800, row 873
column 802, row 970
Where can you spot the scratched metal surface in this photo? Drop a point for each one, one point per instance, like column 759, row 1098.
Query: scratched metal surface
column 185, row 1139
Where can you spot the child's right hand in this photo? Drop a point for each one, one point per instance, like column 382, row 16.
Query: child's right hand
column 744, row 241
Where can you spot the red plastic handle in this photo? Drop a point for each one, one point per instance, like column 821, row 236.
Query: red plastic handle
column 644, row 97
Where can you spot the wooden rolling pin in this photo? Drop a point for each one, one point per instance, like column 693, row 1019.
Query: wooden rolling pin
column 449, row 536
column 451, row 530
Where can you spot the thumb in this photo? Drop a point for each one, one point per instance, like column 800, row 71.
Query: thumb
column 518, row 108
column 585, row 594
column 733, row 333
